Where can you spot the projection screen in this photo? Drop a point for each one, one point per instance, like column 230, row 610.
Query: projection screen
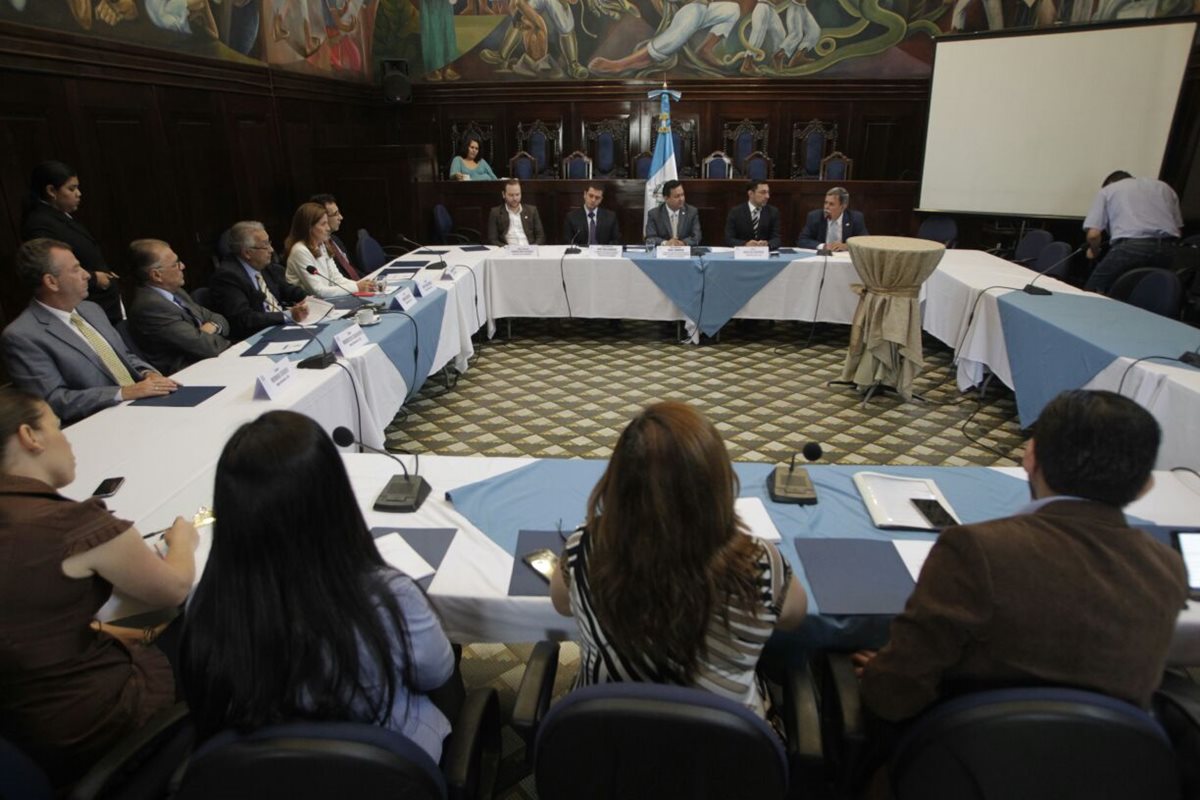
column 1029, row 125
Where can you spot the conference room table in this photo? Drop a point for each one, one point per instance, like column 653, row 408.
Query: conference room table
column 473, row 530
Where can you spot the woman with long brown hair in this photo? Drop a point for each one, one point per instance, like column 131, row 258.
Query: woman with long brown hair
column 663, row 578
column 307, row 248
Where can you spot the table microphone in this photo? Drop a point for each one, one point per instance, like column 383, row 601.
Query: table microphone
column 403, row 493
column 419, row 246
column 1038, row 290
column 572, row 250
column 790, row 485
column 1191, row 357
column 320, row 360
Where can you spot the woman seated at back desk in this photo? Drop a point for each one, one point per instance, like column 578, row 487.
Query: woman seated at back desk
column 468, row 166
column 71, row 688
column 663, row 578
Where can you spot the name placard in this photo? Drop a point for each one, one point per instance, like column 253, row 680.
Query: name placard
column 672, row 251
column 605, row 250
column 754, row 253
column 521, row 249
column 273, row 382
column 404, row 299
column 351, row 341
column 425, row 286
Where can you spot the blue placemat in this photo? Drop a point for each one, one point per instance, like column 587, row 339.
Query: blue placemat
column 855, row 576
column 281, row 333
column 525, row 580
column 680, row 279
column 729, row 284
column 183, row 397
column 431, row 544
column 1062, row 341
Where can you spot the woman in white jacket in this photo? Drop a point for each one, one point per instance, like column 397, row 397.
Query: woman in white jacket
column 309, row 264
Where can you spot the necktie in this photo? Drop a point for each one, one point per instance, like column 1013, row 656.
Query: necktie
column 833, row 232
column 269, row 301
column 754, row 221
column 674, row 224
column 112, row 362
column 591, row 227
column 195, row 320
column 343, row 263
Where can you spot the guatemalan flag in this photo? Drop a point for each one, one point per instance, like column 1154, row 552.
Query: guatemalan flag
column 662, row 168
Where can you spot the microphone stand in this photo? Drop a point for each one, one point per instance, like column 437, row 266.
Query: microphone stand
column 1038, row 290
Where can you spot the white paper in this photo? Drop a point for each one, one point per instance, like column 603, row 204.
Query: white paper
column 605, row 251
column 754, row 514
column 399, row 554
column 274, row 381
column 672, row 251
column 351, row 341
column 888, row 499
column 526, row 250
column 751, row 253
column 404, row 300
column 279, row 348
column 913, row 553
column 318, row 310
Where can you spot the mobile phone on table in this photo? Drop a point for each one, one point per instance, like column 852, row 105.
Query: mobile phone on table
column 934, row 512
column 544, row 562
column 1188, row 545
column 108, row 487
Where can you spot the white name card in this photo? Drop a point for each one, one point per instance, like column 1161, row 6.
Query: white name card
column 754, row 253
column 522, row 250
column 425, row 287
column 673, row 251
column 275, row 380
column 605, row 250
column 404, row 299
column 351, row 341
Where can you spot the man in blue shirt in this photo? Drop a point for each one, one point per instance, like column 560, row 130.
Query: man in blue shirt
column 1143, row 221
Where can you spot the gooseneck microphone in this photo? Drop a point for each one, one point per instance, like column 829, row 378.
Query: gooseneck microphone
column 572, row 250
column 403, row 493
column 787, row 484
column 1038, row 290
column 419, row 246
column 311, row 270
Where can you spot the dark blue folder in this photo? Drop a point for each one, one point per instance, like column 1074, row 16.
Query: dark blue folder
column 526, row 582
column 183, row 397
column 855, row 576
column 431, row 544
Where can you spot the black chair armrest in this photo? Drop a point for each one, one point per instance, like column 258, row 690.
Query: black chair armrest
column 470, row 234
column 802, row 721
column 1176, row 706
column 843, row 725
column 167, row 733
column 395, row 249
column 472, row 757
column 533, row 695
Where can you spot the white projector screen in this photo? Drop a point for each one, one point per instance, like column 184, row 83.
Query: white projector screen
column 1030, row 125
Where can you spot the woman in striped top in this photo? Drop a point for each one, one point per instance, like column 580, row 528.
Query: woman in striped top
column 663, row 579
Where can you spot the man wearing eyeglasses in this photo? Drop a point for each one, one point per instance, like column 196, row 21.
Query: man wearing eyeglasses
column 337, row 248
column 249, row 289
column 171, row 329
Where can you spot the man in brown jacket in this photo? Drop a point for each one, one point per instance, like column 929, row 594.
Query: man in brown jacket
column 1064, row 592
column 513, row 222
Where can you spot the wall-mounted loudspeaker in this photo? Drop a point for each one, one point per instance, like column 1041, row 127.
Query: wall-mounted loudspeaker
column 397, row 88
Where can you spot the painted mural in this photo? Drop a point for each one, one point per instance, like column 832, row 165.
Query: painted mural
column 514, row 40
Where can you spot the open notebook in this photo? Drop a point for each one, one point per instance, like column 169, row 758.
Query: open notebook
column 888, row 499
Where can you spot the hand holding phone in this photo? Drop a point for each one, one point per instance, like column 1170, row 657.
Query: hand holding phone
column 544, row 562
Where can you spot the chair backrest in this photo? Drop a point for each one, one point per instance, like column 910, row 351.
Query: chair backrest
column 202, row 295
column 312, row 760
column 20, row 776
column 810, row 142
column 523, row 166
column 443, row 224
column 639, row 740
column 1054, row 260
column 1032, row 744
column 836, row 166
column 641, row 165
column 577, row 165
column 717, row 165
column 1151, row 288
column 1031, row 246
column 758, row 166
column 224, row 245
column 370, row 254
column 939, row 228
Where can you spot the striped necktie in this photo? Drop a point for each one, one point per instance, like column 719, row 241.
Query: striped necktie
column 269, row 301
column 108, row 356
column 754, row 220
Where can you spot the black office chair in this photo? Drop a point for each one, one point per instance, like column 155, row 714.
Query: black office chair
column 643, row 740
column 939, row 228
column 202, row 295
column 1034, row 743
column 371, row 254
column 1156, row 290
column 20, row 777
column 1055, row 260
column 352, row 760
column 445, row 233
column 1176, row 706
column 1031, row 246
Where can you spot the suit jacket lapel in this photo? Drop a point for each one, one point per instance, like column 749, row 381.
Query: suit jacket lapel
column 56, row 328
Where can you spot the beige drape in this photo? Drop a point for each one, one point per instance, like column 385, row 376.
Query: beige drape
column 885, row 336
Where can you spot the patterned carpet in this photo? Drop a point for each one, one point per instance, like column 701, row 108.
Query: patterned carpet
column 566, row 389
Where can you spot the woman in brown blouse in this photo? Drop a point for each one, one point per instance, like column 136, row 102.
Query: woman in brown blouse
column 70, row 690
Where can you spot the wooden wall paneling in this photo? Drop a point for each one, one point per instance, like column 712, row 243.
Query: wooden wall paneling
column 260, row 189
column 300, row 136
column 377, row 188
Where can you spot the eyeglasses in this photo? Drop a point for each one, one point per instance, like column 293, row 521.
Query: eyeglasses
column 178, row 263
column 266, row 246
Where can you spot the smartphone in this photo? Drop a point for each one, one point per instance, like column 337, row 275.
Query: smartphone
column 544, row 562
column 1188, row 545
column 934, row 512
column 108, row 487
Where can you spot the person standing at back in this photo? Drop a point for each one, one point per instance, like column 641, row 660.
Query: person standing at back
column 1143, row 221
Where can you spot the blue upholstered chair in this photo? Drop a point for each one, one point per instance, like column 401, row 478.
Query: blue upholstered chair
column 717, row 165
column 1054, row 260
column 836, row 167
column 1031, row 246
column 641, row 165
column 758, row 167
column 523, row 166
column 444, row 231
column 939, row 228
column 1157, row 290
column 607, row 142
column 369, row 252
column 577, row 166
column 743, row 138
column 811, row 141
column 541, row 140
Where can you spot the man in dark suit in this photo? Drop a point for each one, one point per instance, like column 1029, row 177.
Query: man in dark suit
column 673, row 222
column 1064, row 592
column 346, row 264
column 754, row 223
column 513, row 222
column 249, row 290
column 829, row 228
column 591, row 224
column 171, row 329
column 63, row 348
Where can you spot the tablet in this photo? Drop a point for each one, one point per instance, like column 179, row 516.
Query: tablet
column 1188, row 545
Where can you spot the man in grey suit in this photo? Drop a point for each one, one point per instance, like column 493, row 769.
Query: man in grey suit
column 171, row 328
column 63, row 348
column 673, row 222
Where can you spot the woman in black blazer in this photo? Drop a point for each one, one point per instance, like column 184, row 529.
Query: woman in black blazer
column 53, row 197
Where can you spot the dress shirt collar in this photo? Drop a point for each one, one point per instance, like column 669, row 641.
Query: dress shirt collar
column 753, row 207
column 167, row 295
column 64, row 316
column 251, row 272
column 837, row 222
column 1035, row 505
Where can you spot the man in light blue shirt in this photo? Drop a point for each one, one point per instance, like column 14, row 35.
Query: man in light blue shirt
column 1143, row 221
